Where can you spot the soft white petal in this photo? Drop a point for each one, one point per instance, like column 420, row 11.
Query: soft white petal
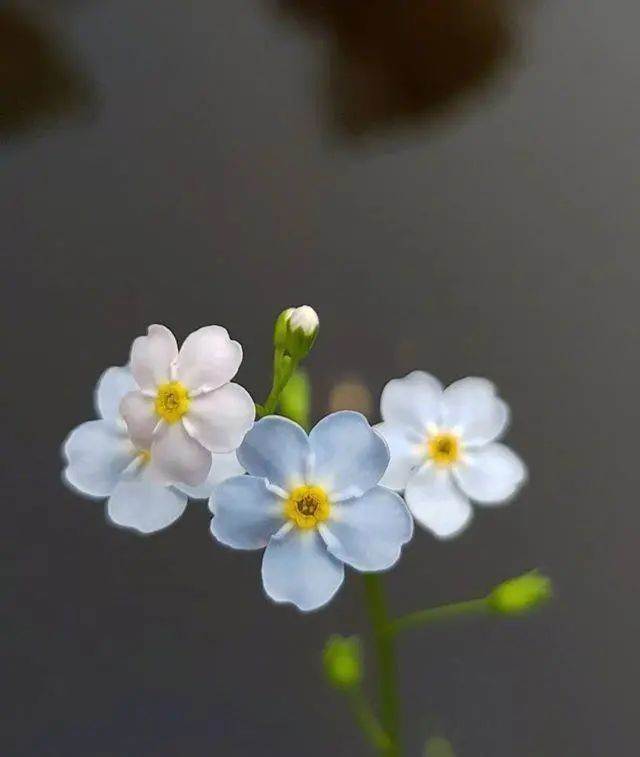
column 112, row 386
column 297, row 568
column 97, row 453
column 220, row 419
column 368, row 532
column 472, row 406
column 406, row 454
column 179, row 458
column 276, row 449
column 246, row 512
column 413, row 401
column 223, row 466
column 208, row 359
column 348, row 456
column 152, row 356
column 436, row 503
column 140, row 418
column 144, row 505
column 490, row 474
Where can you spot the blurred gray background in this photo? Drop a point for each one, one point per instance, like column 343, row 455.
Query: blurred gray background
column 453, row 185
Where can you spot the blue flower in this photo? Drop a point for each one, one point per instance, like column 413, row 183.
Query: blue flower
column 104, row 461
column 314, row 503
column 444, row 449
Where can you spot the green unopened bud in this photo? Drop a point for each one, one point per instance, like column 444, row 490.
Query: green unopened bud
column 302, row 329
column 342, row 660
column 280, row 330
column 521, row 595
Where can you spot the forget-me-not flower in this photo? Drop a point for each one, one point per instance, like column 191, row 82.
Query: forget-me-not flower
column 314, row 503
column 444, row 450
column 103, row 460
column 184, row 402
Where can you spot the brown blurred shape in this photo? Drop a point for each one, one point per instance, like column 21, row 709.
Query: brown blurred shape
column 350, row 393
column 394, row 61
column 39, row 81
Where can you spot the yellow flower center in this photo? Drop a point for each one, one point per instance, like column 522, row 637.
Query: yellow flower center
column 307, row 506
column 444, row 448
column 172, row 401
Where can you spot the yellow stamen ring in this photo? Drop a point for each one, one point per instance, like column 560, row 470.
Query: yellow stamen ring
column 172, row 401
column 307, row 506
column 444, row 448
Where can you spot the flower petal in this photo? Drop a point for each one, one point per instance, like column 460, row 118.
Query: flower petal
column 220, row 419
column 97, row 452
column 144, row 505
column 413, row 401
column 436, row 503
column 179, row 458
column 348, row 456
column 208, row 359
column 406, row 454
column 297, row 568
column 490, row 474
column 223, row 466
column 368, row 532
column 152, row 356
column 276, row 449
column 112, row 386
column 473, row 406
column 140, row 418
column 246, row 512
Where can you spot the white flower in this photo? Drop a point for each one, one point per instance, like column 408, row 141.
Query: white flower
column 314, row 503
column 184, row 402
column 103, row 461
column 443, row 449
column 304, row 318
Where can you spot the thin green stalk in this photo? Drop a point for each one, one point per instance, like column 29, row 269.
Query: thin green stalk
column 434, row 614
column 385, row 650
column 368, row 722
column 283, row 368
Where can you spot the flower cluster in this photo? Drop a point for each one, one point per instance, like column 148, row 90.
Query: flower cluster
column 173, row 425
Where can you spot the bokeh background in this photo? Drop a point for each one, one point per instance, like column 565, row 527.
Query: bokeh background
column 453, row 184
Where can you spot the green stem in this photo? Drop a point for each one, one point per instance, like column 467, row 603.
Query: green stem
column 368, row 722
column 283, row 368
column 433, row 614
column 385, row 650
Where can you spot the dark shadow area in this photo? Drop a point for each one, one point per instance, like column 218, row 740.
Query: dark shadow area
column 41, row 82
column 399, row 61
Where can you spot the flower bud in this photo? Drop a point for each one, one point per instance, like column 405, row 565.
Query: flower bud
column 304, row 318
column 280, row 330
column 301, row 331
column 521, row 595
column 342, row 660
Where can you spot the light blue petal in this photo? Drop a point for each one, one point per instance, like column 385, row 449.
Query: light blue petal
column 276, row 449
column 490, row 475
column 144, row 505
column 246, row 512
column 407, row 453
column 97, row 453
column 112, row 386
column 368, row 532
column 349, row 456
column 223, row 466
column 473, row 406
column 437, row 503
column 297, row 568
